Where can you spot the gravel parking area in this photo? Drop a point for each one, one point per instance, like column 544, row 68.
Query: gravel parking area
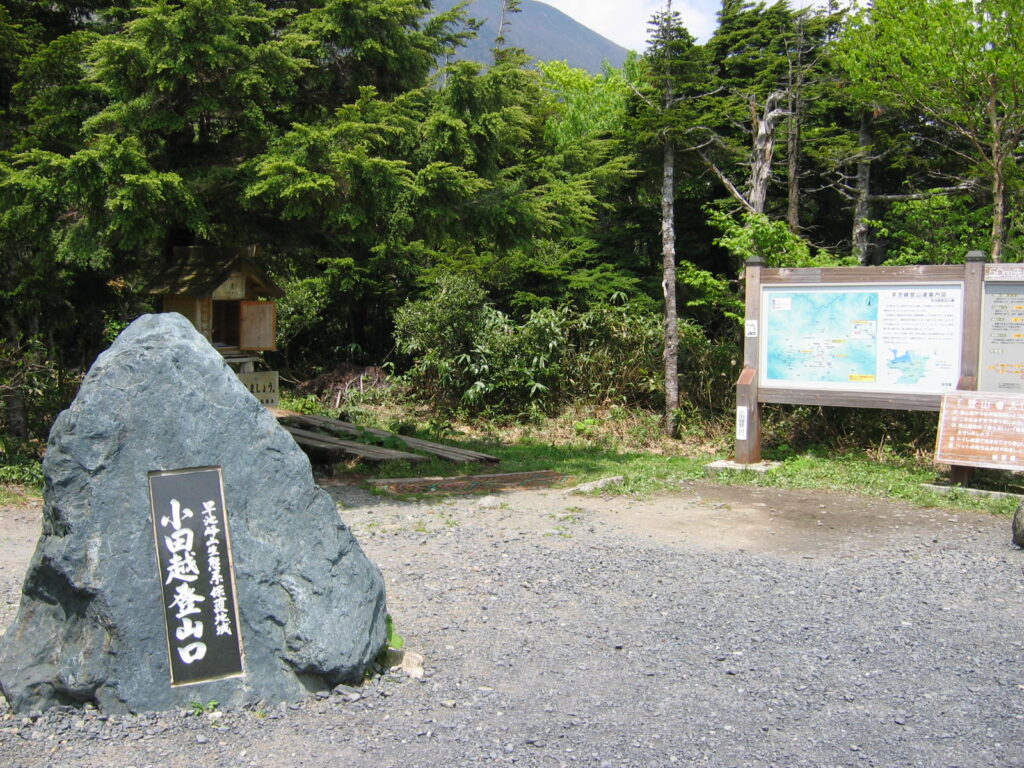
column 714, row 627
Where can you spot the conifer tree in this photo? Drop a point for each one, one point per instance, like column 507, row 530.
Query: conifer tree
column 678, row 74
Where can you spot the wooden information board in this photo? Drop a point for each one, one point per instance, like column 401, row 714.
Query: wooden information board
column 981, row 429
column 193, row 548
column 857, row 337
column 946, row 338
column 894, row 337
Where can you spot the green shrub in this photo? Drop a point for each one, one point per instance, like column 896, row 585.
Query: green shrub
column 19, row 463
column 308, row 404
column 469, row 357
column 801, row 428
column 616, row 356
column 754, row 235
column 936, row 230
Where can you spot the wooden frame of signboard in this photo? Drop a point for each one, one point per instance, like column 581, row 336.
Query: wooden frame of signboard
column 965, row 281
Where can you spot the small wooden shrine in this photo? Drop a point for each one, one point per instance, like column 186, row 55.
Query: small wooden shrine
column 230, row 300
column 225, row 295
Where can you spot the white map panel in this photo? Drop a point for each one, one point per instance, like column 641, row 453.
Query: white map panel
column 880, row 338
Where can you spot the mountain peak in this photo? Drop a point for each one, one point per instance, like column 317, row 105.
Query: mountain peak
column 542, row 31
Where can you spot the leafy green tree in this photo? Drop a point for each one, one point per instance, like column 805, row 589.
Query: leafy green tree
column 961, row 65
column 33, row 302
column 755, row 236
column 749, row 54
column 458, row 178
column 748, row 49
column 812, row 98
column 934, row 229
column 385, row 44
column 586, row 106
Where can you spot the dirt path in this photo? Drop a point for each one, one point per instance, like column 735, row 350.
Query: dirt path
column 19, row 531
column 770, row 521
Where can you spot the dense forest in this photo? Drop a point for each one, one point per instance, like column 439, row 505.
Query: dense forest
column 509, row 236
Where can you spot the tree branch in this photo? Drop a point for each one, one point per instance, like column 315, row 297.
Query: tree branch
column 898, row 198
column 726, row 183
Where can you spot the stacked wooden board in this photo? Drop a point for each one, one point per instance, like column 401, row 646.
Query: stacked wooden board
column 319, row 434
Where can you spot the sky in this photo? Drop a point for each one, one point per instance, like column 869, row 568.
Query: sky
column 625, row 21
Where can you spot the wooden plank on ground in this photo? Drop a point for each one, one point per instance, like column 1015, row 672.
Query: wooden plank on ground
column 321, row 442
column 448, row 452
column 469, row 483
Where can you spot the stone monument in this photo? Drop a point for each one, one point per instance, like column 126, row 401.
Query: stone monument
column 178, row 516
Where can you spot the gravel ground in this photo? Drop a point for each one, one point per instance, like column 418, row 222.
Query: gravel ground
column 715, row 627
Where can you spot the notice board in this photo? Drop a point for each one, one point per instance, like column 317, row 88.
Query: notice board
column 1001, row 367
column 981, row 429
column 895, row 337
column 900, row 338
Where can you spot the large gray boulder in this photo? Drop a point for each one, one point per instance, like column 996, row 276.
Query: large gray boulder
column 91, row 628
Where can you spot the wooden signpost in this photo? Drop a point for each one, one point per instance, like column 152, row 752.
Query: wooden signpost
column 878, row 337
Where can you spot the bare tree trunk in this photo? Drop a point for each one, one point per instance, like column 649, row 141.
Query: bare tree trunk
column 763, row 149
column 861, row 210
column 998, row 202
column 998, row 217
column 508, row 7
column 796, row 83
column 16, row 413
column 668, row 287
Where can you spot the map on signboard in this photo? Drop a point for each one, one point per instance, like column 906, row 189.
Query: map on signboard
column 822, row 336
column 885, row 339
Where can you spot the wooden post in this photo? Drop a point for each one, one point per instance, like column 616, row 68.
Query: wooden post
column 970, row 344
column 974, row 290
column 748, row 409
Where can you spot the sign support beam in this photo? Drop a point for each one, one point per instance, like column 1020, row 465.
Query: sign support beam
column 974, row 290
column 748, row 405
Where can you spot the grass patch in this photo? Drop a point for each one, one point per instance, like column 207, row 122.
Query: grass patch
column 587, row 443
column 652, row 465
column 889, row 477
column 644, row 472
column 12, row 495
column 657, row 467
